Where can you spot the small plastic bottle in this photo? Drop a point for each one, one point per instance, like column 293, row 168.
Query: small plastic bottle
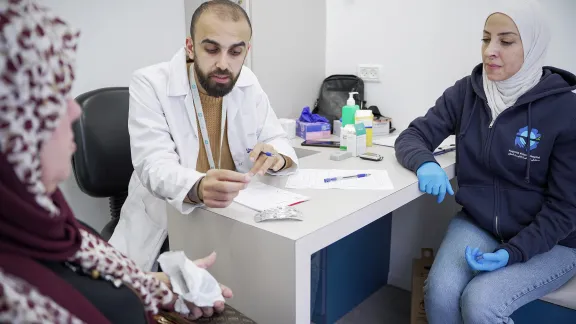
column 366, row 117
column 348, row 117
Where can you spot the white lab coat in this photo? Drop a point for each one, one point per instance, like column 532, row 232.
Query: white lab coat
column 164, row 145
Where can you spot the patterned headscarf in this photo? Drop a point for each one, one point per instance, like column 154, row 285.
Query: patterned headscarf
column 36, row 73
column 37, row 56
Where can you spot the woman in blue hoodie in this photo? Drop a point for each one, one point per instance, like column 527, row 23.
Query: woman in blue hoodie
column 515, row 124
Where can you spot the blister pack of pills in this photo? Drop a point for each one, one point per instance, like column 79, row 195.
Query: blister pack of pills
column 279, row 213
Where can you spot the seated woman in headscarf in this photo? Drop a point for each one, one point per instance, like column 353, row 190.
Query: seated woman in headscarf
column 515, row 124
column 53, row 269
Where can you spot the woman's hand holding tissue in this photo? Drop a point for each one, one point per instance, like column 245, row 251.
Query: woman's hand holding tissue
column 196, row 311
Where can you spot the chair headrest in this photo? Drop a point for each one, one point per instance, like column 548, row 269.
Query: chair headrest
column 102, row 163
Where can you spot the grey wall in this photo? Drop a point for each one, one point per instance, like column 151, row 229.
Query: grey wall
column 118, row 37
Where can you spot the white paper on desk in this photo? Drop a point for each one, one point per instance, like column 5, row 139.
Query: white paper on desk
column 385, row 141
column 314, row 179
column 260, row 196
column 390, row 140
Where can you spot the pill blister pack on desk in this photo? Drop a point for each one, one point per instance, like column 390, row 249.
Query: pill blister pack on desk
column 279, row 213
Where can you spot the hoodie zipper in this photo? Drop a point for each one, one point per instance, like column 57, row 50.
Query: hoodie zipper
column 497, row 209
column 489, row 137
column 487, row 160
column 495, row 180
column 496, row 184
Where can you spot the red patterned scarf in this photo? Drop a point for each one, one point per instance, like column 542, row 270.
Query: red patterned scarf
column 36, row 73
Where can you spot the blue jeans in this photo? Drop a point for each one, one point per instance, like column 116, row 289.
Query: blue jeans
column 453, row 293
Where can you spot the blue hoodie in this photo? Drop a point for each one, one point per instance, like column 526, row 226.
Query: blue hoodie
column 528, row 204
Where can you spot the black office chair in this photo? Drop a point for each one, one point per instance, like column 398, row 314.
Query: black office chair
column 102, row 163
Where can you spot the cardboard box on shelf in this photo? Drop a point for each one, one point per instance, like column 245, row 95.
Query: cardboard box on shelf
column 420, row 270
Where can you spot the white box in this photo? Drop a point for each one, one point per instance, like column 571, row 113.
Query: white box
column 356, row 144
column 289, row 126
column 381, row 126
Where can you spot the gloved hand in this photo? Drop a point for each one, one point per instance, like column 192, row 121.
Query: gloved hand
column 486, row 261
column 433, row 180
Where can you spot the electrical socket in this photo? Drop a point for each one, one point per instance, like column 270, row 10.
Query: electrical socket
column 369, row 72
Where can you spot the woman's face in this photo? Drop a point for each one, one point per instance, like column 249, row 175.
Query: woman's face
column 502, row 50
column 56, row 153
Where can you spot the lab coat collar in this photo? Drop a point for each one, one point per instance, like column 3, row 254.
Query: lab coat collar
column 178, row 76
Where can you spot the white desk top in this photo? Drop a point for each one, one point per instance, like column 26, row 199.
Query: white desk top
column 330, row 214
column 326, row 207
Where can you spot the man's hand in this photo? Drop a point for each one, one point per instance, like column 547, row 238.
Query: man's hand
column 262, row 162
column 219, row 187
column 195, row 311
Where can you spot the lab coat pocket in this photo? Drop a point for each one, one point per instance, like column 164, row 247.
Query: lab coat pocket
column 155, row 210
column 139, row 233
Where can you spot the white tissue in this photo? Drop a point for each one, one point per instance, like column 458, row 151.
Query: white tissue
column 289, row 126
column 193, row 284
column 180, row 306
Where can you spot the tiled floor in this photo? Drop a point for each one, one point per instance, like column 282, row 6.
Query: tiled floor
column 389, row 305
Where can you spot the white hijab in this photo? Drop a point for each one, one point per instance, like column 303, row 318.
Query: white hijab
column 527, row 15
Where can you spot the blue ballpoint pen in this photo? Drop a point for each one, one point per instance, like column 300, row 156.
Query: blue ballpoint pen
column 361, row 175
column 265, row 153
column 451, row 148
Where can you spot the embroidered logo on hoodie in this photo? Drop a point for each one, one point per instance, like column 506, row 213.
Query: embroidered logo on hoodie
column 522, row 138
column 527, row 143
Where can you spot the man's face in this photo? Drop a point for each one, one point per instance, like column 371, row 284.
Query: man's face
column 219, row 49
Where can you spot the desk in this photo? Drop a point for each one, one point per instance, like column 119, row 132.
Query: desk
column 267, row 265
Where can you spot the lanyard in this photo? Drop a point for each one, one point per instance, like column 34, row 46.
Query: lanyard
column 202, row 121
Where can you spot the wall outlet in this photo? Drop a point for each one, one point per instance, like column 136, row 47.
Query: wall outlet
column 369, row 72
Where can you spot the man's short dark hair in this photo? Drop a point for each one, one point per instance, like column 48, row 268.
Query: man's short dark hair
column 224, row 9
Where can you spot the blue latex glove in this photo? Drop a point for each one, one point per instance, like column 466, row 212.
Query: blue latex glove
column 433, row 180
column 308, row 117
column 486, row 261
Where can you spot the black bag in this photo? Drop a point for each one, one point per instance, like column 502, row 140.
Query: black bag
column 334, row 93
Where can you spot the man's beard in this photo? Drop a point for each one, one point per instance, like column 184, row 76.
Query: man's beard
column 215, row 89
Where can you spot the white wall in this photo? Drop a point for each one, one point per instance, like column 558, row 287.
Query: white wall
column 289, row 47
column 118, row 37
column 562, row 17
column 423, row 47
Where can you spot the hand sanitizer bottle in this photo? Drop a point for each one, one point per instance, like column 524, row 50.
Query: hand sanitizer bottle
column 348, row 117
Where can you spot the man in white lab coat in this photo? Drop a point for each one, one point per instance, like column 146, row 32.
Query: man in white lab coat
column 191, row 127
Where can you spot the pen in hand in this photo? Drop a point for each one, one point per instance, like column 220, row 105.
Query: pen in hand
column 265, row 153
column 357, row 176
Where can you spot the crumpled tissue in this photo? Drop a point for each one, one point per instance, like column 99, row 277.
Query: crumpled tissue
column 190, row 282
column 308, row 117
